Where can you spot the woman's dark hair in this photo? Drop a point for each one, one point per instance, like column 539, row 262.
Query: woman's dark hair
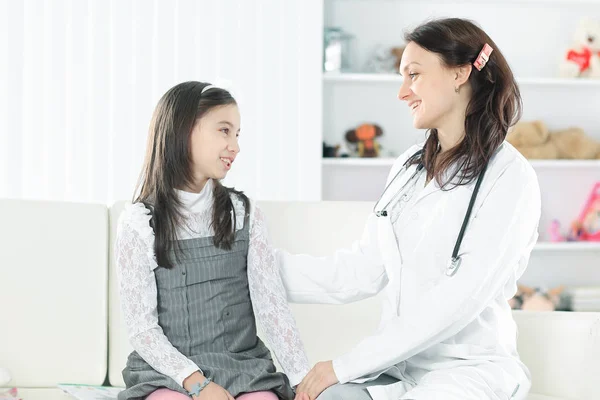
column 167, row 167
column 495, row 105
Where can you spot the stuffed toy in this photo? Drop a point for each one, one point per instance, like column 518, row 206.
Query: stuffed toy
column 587, row 226
column 339, row 150
column 590, row 216
column 364, row 137
column 4, row 379
column 535, row 299
column 583, row 58
column 535, row 141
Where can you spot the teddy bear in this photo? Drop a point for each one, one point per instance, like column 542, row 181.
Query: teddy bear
column 535, row 141
column 364, row 137
column 583, row 58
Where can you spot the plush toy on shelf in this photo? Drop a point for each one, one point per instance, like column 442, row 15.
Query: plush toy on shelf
column 365, row 139
column 574, row 234
column 535, row 141
column 536, row 299
column 590, row 216
column 339, row 150
column 10, row 393
column 583, row 58
column 586, row 227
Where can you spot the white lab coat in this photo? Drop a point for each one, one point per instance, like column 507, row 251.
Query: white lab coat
column 443, row 337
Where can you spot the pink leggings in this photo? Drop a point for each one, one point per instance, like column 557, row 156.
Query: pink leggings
column 168, row 394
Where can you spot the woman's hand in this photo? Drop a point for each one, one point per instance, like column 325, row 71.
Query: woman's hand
column 212, row 391
column 319, row 378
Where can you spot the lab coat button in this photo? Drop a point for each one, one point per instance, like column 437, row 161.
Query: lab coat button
column 415, row 215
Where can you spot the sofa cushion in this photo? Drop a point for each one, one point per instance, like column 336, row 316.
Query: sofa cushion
column 54, row 292
column 562, row 350
column 44, row 394
column 118, row 344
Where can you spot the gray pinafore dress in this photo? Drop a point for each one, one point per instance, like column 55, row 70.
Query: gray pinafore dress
column 204, row 309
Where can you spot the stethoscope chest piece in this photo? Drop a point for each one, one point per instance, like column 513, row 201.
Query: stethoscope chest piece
column 454, row 263
column 453, row 266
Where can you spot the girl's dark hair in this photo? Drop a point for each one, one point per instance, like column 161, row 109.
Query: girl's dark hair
column 495, row 105
column 167, row 167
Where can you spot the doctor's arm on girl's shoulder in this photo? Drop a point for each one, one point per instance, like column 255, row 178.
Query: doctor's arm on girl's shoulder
column 495, row 251
column 348, row 275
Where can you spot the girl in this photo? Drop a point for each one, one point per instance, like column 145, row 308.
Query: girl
column 195, row 266
column 449, row 238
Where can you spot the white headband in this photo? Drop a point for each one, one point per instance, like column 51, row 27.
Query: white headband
column 208, row 87
column 220, row 83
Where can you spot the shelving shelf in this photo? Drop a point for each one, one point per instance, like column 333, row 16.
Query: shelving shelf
column 379, row 162
column 567, row 246
column 396, row 78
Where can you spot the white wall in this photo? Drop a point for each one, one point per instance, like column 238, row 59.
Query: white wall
column 79, row 81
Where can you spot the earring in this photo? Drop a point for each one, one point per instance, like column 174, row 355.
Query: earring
column 456, row 89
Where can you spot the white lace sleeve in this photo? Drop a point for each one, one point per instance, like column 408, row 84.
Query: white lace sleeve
column 269, row 301
column 134, row 253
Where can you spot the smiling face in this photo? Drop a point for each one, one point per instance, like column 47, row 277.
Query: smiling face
column 428, row 87
column 214, row 143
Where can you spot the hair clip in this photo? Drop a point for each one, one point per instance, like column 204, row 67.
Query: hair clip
column 483, row 57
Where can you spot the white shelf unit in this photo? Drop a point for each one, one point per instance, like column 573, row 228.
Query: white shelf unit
column 356, row 97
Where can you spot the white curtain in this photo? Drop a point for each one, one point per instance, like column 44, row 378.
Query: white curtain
column 79, row 81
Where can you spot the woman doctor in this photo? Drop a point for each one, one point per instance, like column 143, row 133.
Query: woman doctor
column 448, row 238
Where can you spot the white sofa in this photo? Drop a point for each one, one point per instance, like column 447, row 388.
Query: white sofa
column 61, row 321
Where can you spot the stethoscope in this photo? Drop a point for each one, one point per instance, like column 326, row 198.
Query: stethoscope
column 454, row 263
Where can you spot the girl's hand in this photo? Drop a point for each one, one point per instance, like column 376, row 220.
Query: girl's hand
column 213, row 392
